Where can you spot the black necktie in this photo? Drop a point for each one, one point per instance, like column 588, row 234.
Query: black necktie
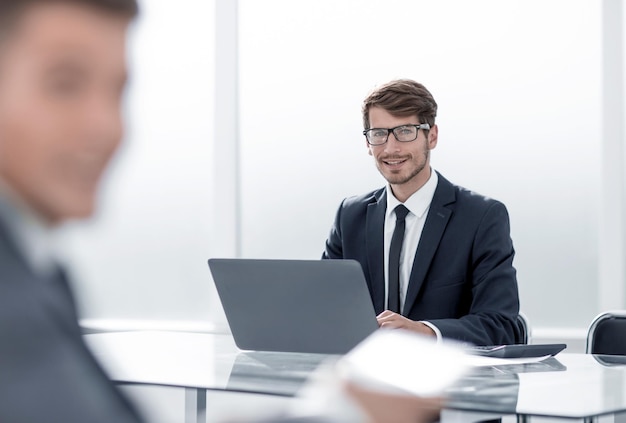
column 393, row 303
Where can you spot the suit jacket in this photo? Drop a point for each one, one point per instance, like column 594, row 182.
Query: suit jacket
column 462, row 281
column 47, row 373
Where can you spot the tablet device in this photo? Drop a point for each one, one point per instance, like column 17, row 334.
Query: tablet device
column 309, row 306
column 518, row 350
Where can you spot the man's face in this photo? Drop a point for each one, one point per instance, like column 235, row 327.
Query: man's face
column 402, row 163
column 62, row 77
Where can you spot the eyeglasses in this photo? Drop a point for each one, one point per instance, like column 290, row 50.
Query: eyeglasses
column 403, row 133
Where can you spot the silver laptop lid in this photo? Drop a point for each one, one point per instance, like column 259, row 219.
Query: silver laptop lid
column 313, row 306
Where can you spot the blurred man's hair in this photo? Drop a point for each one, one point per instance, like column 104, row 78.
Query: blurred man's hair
column 10, row 10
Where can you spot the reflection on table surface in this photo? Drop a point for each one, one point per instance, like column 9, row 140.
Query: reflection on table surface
column 200, row 360
column 281, row 373
column 570, row 385
column 611, row 360
column 496, row 388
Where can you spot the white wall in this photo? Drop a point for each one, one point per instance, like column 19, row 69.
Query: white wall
column 518, row 85
column 519, row 89
column 144, row 256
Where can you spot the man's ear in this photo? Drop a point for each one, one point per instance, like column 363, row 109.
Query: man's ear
column 433, row 136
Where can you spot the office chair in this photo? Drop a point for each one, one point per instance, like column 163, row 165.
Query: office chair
column 525, row 330
column 526, row 336
column 606, row 333
column 606, row 336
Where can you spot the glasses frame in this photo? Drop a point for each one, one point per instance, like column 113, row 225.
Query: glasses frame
column 424, row 126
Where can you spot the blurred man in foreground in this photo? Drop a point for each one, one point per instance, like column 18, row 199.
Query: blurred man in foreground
column 62, row 78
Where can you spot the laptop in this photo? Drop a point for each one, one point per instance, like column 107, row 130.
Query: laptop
column 306, row 306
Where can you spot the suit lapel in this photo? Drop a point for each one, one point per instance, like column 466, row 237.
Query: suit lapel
column 52, row 293
column 11, row 254
column 375, row 224
column 434, row 227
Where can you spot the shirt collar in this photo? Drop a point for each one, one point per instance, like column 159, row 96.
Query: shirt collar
column 419, row 202
column 34, row 238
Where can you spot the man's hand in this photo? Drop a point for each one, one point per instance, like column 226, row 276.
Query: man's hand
column 390, row 320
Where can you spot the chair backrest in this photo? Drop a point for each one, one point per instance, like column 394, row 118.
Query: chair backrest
column 607, row 333
column 524, row 327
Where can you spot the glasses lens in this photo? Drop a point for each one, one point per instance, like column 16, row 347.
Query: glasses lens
column 377, row 136
column 405, row 133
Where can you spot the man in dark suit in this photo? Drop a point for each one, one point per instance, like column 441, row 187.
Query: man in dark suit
column 62, row 77
column 438, row 258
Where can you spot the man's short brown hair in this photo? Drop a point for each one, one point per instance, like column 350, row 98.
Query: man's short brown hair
column 10, row 10
column 402, row 98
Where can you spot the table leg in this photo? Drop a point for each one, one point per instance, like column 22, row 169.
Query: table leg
column 195, row 405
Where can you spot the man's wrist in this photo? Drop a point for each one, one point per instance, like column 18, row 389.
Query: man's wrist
column 433, row 328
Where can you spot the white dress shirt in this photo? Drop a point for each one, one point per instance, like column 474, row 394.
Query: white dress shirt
column 418, row 205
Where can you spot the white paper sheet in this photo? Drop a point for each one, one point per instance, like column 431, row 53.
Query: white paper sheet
column 398, row 360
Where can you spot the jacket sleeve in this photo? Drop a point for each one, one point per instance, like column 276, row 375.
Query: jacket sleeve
column 334, row 243
column 492, row 318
